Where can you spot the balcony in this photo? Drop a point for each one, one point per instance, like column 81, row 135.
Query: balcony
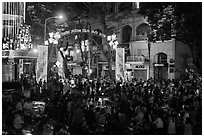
column 139, row 38
column 136, row 59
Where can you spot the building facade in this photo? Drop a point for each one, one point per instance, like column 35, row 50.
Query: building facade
column 18, row 56
column 159, row 60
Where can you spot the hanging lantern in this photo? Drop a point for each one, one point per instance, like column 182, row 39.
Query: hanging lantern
column 50, row 40
column 51, row 35
column 46, row 42
column 57, row 35
column 55, row 41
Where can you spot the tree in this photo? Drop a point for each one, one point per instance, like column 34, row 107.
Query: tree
column 35, row 16
column 37, row 13
column 180, row 20
column 100, row 12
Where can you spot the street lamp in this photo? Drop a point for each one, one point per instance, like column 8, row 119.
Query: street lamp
column 56, row 17
column 35, row 50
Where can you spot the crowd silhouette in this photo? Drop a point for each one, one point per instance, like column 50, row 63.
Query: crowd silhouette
column 79, row 106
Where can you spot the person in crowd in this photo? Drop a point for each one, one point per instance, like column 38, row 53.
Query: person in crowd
column 171, row 130
column 47, row 129
column 27, row 106
column 90, row 117
column 150, row 107
column 159, row 125
column 77, row 119
column 19, row 105
column 188, row 128
column 18, row 122
column 97, row 115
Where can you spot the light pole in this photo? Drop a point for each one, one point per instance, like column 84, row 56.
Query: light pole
column 149, row 55
column 59, row 17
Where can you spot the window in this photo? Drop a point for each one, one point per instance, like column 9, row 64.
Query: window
column 162, row 58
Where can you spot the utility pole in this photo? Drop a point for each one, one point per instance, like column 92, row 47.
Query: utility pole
column 97, row 54
column 89, row 50
column 149, row 55
column 149, row 48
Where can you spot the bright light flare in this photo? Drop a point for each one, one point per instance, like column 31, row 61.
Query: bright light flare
column 77, row 51
column 35, row 50
column 60, row 17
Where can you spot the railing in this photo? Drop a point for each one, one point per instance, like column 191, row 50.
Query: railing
column 139, row 38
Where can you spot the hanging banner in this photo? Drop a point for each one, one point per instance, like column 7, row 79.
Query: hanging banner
column 60, row 66
column 42, row 62
column 120, row 64
column 20, row 67
column 53, row 53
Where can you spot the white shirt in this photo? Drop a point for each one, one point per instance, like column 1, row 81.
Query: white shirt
column 19, row 106
column 28, row 105
column 17, row 122
column 159, row 123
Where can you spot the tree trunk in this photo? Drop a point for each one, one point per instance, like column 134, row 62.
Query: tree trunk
column 83, row 59
column 109, row 56
column 66, row 72
column 196, row 59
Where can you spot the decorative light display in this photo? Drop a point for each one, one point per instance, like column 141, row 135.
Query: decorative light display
column 113, row 41
column 13, row 15
column 24, row 38
column 85, row 45
column 8, row 43
column 53, row 38
column 22, row 42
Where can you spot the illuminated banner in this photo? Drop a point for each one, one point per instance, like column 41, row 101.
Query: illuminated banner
column 120, row 64
column 83, row 31
column 42, row 62
column 18, row 54
column 60, row 65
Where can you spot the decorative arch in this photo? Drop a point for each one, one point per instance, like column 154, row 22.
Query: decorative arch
column 142, row 29
column 161, row 66
column 126, row 33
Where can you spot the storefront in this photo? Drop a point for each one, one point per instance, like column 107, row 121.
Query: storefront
column 16, row 63
column 136, row 68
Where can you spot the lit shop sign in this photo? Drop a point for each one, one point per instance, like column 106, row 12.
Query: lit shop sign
column 83, row 31
column 139, row 66
column 159, row 65
column 18, row 54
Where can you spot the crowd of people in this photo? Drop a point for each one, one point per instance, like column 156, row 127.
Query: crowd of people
column 102, row 107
